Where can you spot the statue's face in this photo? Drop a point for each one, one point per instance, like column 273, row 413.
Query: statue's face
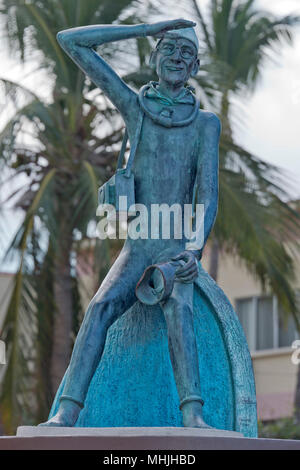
column 175, row 60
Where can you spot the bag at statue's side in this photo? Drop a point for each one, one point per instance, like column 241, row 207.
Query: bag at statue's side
column 119, row 186
column 119, row 190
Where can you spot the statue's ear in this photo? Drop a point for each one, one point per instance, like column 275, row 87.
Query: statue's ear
column 152, row 60
column 195, row 68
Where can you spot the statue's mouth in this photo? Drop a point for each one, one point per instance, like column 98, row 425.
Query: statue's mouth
column 174, row 69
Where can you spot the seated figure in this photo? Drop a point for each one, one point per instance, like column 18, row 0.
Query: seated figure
column 175, row 163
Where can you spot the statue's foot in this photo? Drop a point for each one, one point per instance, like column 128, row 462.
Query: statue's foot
column 192, row 416
column 66, row 415
column 196, row 422
column 59, row 421
column 56, row 421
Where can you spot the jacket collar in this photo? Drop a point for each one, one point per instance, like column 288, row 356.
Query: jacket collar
column 185, row 96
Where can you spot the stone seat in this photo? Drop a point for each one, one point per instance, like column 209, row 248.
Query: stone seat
column 134, row 386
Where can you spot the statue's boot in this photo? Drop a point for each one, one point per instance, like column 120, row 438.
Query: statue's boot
column 66, row 415
column 191, row 409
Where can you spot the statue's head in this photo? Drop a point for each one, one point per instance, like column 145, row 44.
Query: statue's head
column 175, row 57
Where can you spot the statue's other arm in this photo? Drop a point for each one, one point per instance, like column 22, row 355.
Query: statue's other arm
column 207, row 176
column 79, row 43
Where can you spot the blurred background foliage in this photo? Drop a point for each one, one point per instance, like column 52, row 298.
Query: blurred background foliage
column 67, row 146
column 286, row 428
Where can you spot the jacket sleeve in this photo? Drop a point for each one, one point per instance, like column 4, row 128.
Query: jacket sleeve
column 206, row 184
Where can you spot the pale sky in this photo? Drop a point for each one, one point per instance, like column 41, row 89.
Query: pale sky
column 271, row 116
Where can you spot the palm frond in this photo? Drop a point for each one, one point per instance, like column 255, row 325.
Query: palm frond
column 18, row 332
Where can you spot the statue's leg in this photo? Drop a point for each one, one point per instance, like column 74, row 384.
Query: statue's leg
column 178, row 311
column 115, row 296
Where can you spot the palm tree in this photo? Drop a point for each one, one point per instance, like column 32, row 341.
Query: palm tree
column 67, row 147
column 255, row 221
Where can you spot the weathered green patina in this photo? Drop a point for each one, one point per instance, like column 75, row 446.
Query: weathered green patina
column 176, row 161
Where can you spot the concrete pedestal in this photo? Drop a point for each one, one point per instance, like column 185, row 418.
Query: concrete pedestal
column 132, row 433
column 149, row 439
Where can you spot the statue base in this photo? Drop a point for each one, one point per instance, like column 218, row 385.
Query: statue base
column 124, row 432
column 137, row 439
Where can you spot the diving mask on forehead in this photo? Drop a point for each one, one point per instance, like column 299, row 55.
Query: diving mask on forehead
column 185, row 33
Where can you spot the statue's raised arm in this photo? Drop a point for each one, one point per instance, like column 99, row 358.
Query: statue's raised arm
column 79, row 43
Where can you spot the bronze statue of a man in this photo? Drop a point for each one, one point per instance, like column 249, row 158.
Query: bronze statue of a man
column 176, row 156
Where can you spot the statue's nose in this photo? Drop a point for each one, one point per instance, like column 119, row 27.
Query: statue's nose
column 176, row 54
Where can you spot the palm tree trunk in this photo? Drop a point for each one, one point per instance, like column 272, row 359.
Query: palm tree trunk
column 225, row 109
column 61, row 346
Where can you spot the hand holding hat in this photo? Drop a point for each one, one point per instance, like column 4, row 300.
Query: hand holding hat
column 174, row 28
